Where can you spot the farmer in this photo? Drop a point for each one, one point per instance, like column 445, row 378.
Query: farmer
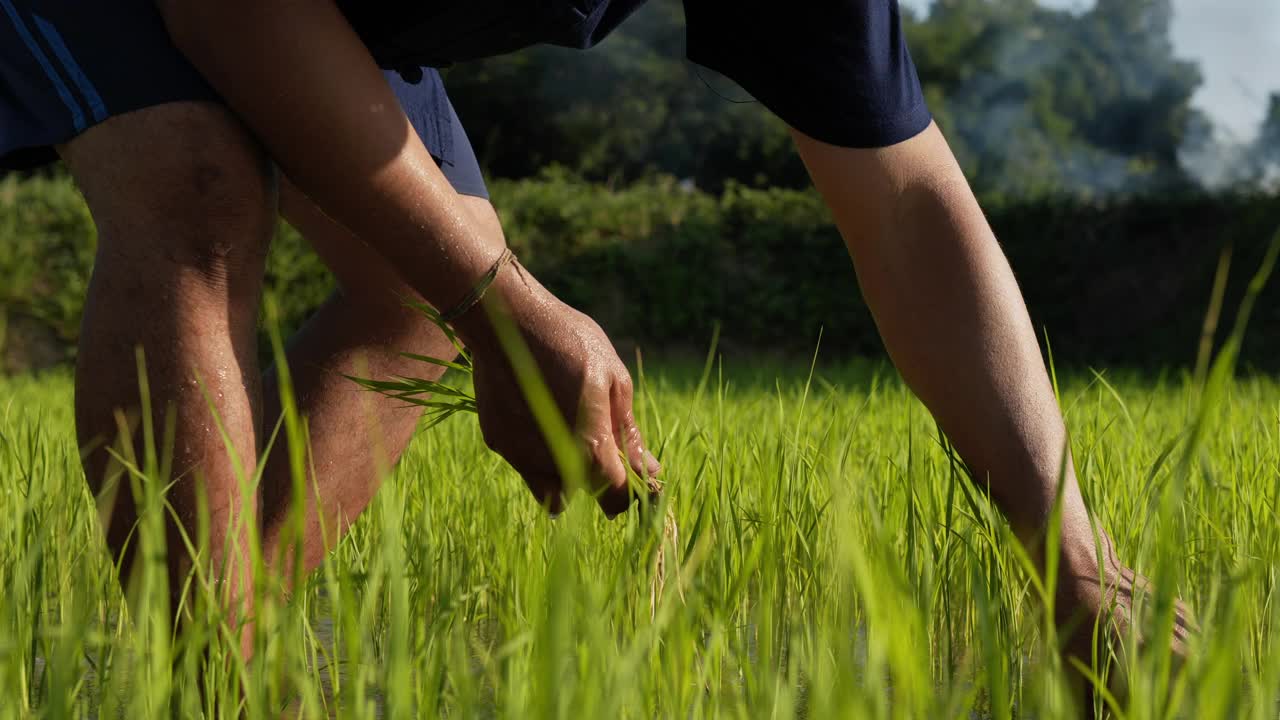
column 189, row 125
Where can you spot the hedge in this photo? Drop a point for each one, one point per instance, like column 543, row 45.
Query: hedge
column 1124, row 282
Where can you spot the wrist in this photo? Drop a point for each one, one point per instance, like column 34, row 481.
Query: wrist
column 514, row 294
column 477, row 291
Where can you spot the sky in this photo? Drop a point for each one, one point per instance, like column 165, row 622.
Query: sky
column 1237, row 43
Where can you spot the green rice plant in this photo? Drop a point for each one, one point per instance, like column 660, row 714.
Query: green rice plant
column 441, row 400
column 827, row 557
column 827, row 564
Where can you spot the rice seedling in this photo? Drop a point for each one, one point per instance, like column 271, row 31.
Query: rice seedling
column 818, row 553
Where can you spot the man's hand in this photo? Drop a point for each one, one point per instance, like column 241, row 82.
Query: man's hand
column 590, row 385
column 304, row 83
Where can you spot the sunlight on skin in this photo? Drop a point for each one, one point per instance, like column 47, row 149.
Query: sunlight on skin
column 953, row 321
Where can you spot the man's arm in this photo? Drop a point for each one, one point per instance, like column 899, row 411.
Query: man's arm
column 300, row 78
column 952, row 318
column 307, row 87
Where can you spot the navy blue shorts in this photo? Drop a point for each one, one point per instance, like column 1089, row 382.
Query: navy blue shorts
column 836, row 70
column 67, row 65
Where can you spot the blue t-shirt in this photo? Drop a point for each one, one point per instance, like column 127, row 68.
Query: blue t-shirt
column 836, row 70
column 413, row 33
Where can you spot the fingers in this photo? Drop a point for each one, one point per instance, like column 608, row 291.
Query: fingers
column 605, row 430
column 528, row 454
column 547, row 490
column 627, row 433
column 612, row 492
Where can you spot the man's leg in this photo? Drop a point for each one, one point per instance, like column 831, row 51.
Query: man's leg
column 953, row 320
column 184, row 204
column 354, row 435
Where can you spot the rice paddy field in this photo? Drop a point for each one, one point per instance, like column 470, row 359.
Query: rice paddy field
column 817, row 554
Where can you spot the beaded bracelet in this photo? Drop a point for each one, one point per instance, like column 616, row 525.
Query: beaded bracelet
column 477, row 293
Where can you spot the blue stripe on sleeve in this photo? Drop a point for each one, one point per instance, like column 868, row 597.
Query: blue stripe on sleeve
column 54, row 38
column 77, row 115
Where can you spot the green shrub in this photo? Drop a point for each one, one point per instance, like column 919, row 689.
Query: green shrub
column 46, row 251
column 660, row 264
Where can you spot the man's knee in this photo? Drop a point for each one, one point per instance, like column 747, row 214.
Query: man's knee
column 181, row 185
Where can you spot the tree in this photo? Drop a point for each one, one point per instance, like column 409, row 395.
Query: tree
column 1266, row 149
column 1033, row 99
column 1049, row 101
column 630, row 107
